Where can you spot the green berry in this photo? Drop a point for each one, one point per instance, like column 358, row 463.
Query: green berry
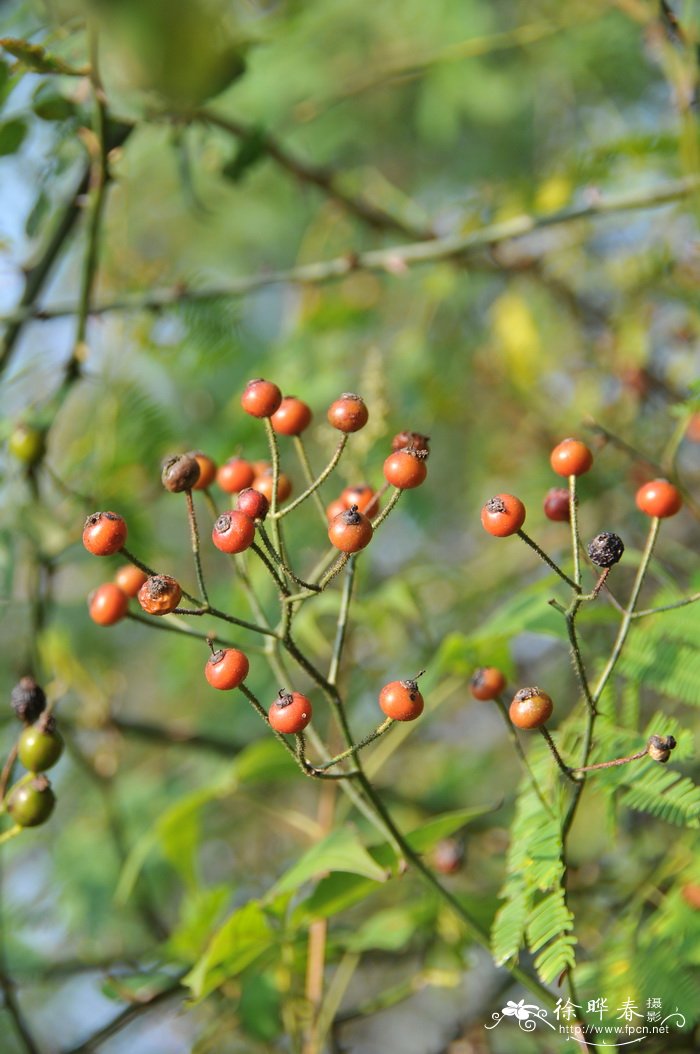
column 39, row 749
column 27, row 444
column 30, row 804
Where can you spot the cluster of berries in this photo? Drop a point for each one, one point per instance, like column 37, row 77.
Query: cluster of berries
column 350, row 529
column 31, row 800
column 504, row 514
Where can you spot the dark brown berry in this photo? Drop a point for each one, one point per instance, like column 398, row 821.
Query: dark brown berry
column 28, row 700
column 606, row 549
column 180, row 472
column 659, row 747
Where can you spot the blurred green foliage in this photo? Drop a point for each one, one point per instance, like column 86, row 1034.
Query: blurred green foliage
column 343, row 127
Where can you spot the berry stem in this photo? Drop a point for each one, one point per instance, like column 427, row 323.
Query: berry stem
column 275, row 459
column 351, row 751
column 342, row 623
column 150, row 572
column 262, row 555
column 215, row 613
column 555, row 753
column 280, row 563
column 618, row 645
column 312, row 481
column 521, row 753
column 614, row 762
column 314, row 484
column 575, row 652
column 211, row 504
column 667, row 607
column 194, row 538
column 6, row 774
column 173, row 627
column 11, row 833
column 575, row 539
column 602, row 578
column 548, row 560
column 379, row 520
column 312, row 590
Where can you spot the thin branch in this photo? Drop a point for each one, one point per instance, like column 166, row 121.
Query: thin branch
column 128, row 1015
column 391, row 261
column 548, row 560
column 7, row 986
column 323, row 178
column 317, row 482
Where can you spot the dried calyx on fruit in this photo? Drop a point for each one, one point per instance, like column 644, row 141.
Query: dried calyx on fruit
column 411, row 441
column 659, row 747
column 28, row 700
column 605, row 549
column 180, row 472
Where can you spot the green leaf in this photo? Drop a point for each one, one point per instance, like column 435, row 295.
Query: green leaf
column 339, row 891
column 340, row 851
column 259, row 1007
column 251, row 149
column 242, row 938
column 391, row 929
column 50, row 105
column 37, row 214
column 12, row 135
column 200, row 911
column 433, row 831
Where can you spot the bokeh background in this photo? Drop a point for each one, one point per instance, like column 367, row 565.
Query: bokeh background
column 249, row 139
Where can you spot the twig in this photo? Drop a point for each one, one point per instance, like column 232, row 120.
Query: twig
column 128, row 1015
column 548, row 560
column 384, row 261
column 323, row 178
column 194, row 539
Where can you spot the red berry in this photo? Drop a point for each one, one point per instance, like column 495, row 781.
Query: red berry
column 348, row 413
column 350, row 531
column 659, row 498
column 571, row 457
column 179, row 473
column 401, row 700
column 233, row 532
column 335, row 508
column 108, row 604
column 405, row 469
column 487, row 683
column 261, row 398
column 411, row 441
column 252, row 503
column 290, row 712
column 226, row 668
column 530, row 708
column 235, row 474
column 292, row 417
column 361, row 495
column 502, row 515
column 104, row 533
column 130, row 578
column 264, row 484
column 159, row 595
column 207, row 470
column 556, row 505
column 448, row 856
